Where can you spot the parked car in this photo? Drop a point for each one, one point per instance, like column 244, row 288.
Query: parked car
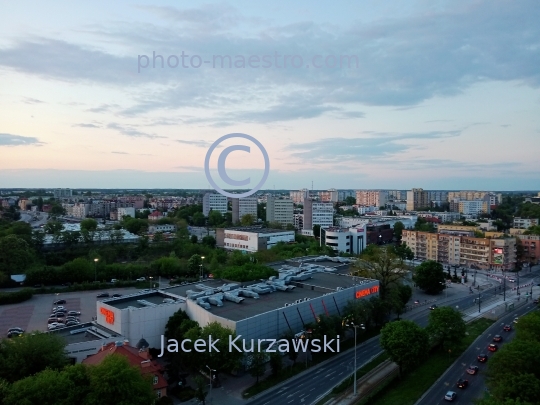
column 16, row 329
column 60, row 311
column 14, row 333
column 58, row 315
column 114, row 280
column 103, row 295
column 141, row 279
column 482, row 357
column 116, row 295
column 472, row 370
column 462, row 383
column 450, row 396
column 59, row 302
column 58, row 307
column 72, row 323
column 74, row 313
column 54, row 325
column 497, row 338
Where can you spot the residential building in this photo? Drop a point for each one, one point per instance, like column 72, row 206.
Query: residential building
column 251, row 238
column 62, row 193
column 155, row 216
column 375, row 198
column 474, row 207
column 318, row 213
column 23, row 204
column 346, row 240
column 280, row 210
column 533, row 200
column 365, row 210
column 525, row 223
column 161, row 228
column 299, row 196
column 80, row 210
column 439, row 196
column 298, row 221
column 417, row 198
column 122, row 212
column 349, row 222
column 443, row 216
column 330, row 195
column 531, row 248
column 214, row 202
column 457, row 228
column 343, row 194
column 135, row 201
column 138, row 357
column 487, row 225
column 244, row 206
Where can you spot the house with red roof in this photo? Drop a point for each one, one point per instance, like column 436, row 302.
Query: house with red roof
column 138, row 357
column 156, row 215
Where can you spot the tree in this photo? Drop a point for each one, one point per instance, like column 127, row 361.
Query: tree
column 215, row 218
column 89, row 224
column 317, row 231
column 115, row 381
column 276, row 363
column 200, row 392
column 23, row 357
column 404, row 251
column 493, row 401
column 194, row 239
column 398, row 230
column 380, row 263
column 247, row 220
column 257, row 364
column 53, row 227
column 446, row 327
column 528, row 327
column 209, row 241
column 350, row 200
column 400, row 295
column 429, row 276
column 405, row 342
column 15, row 255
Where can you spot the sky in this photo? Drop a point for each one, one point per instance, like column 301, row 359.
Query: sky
column 341, row 94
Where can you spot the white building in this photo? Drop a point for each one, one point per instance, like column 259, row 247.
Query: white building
column 525, row 223
column 244, row 206
column 346, row 240
column 251, row 239
column 122, row 212
column 377, row 198
column 474, row 207
column 214, row 202
column 318, row 213
column 298, row 221
column 364, row 210
column 280, row 210
column 299, row 196
column 62, row 193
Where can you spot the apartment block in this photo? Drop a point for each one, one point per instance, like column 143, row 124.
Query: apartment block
column 492, row 198
column 23, row 204
column 318, row 213
column 531, row 248
column 440, row 196
column 62, row 193
column 280, row 210
column 417, row 198
column 330, row 195
column 525, row 223
column 376, row 198
column 214, row 202
column 244, row 206
column 298, row 221
column 299, row 196
column 343, row 194
column 474, row 207
column 125, row 211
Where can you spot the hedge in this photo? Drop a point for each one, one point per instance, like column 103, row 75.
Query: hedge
column 16, row 297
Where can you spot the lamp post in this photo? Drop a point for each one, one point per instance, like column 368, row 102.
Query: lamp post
column 479, row 301
column 201, row 268
column 351, row 324
column 474, row 279
column 504, row 286
column 150, row 278
column 518, row 284
column 210, row 377
column 95, row 268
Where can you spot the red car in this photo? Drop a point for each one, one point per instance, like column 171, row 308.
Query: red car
column 472, row 370
column 507, row 328
column 492, row 347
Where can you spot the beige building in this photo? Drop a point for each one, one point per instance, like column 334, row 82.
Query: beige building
column 484, row 253
column 457, row 228
column 299, row 196
column 330, row 195
column 366, row 198
column 280, row 210
column 417, row 198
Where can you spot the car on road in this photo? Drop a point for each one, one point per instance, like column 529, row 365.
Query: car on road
column 535, row 301
column 450, row 396
column 141, row 279
column 116, row 295
column 103, row 295
column 482, row 357
column 462, row 383
column 433, row 307
column 512, row 280
column 145, row 290
column 507, row 328
column 472, row 370
column 497, row 338
column 516, row 319
column 59, row 302
column 74, row 313
column 492, row 347
column 14, row 333
column 114, row 280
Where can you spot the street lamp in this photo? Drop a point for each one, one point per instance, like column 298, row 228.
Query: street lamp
column 210, row 377
column 150, row 278
column 201, row 268
column 95, row 268
column 351, row 324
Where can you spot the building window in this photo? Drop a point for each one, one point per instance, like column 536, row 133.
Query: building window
column 159, row 393
column 155, row 379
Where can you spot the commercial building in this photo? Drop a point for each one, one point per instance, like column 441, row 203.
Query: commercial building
column 348, row 222
column 377, row 198
column 214, row 202
column 417, row 198
column 345, row 240
column 127, row 211
column 280, row 210
column 525, row 223
column 443, row 216
column 251, row 239
column 458, row 249
column 244, row 206
column 161, row 228
column 299, row 196
column 62, row 193
column 318, row 213
column 379, row 234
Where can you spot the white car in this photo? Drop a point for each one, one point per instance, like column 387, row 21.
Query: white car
column 141, row 279
column 114, row 280
column 450, row 396
column 73, row 313
column 58, row 308
column 55, row 325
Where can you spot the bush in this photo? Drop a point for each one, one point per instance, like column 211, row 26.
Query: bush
column 246, row 272
column 16, row 297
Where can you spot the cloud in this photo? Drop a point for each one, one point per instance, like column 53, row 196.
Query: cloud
column 102, row 108
column 199, row 144
column 86, row 125
column 130, row 131
column 29, row 100
column 18, row 140
column 120, row 153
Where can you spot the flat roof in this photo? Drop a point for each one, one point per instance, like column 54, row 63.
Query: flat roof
column 83, row 336
column 155, row 297
column 257, row 230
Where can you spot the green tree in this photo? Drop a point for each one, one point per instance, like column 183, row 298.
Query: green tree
column 528, row 327
column 398, row 230
column 215, row 218
column 247, row 220
column 404, row 252
column 317, row 231
column 198, row 219
column 257, row 364
column 200, row 392
column 400, row 296
column 15, row 255
column 194, row 239
column 405, row 342
column 276, row 363
column 89, row 224
column 350, row 200
column 30, row 354
column 209, row 241
column 53, row 227
column 446, row 327
column 429, row 276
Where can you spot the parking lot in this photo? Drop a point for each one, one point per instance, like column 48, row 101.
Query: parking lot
column 33, row 314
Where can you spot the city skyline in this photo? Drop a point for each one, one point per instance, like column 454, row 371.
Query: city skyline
column 445, row 96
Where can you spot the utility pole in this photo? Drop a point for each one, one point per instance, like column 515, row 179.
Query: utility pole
column 479, row 301
column 504, row 287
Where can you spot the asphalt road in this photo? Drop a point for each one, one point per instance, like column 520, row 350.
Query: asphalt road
column 475, row 390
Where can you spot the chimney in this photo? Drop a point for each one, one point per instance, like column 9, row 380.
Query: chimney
column 144, row 354
column 126, row 342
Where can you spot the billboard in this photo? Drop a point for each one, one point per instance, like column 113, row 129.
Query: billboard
column 498, row 259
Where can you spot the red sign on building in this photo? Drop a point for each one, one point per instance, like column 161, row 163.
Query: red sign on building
column 367, row 291
column 109, row 315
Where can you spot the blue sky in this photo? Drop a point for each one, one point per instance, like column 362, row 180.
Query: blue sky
column 445, row 95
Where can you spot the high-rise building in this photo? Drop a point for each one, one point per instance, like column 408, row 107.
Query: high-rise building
column 299, row 196
column 474, row 207
column 343, row 194
column 125, row 211
column 244, row 206
column 468, row 195
column 62, row 193
column 318, row 213
column 214, row 202
column 417, row 198
column 330, row 195
column 368, row 198
column 279, row 210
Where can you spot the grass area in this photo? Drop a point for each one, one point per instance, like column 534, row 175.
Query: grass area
column 408, row 390
column 289, row 372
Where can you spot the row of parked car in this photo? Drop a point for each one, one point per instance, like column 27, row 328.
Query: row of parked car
column 481, row 358
column 61, row 317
